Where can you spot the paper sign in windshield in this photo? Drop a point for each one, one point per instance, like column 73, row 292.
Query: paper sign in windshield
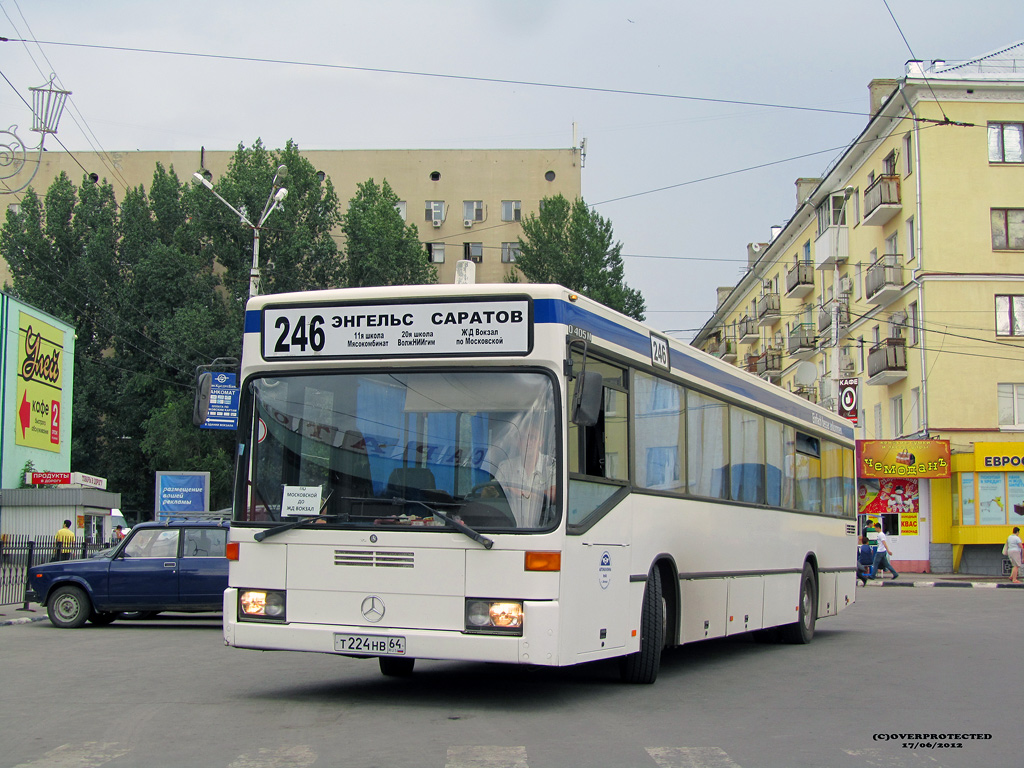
column 299, row 500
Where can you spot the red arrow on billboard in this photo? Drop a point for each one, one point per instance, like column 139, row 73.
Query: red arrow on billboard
column 24, row 413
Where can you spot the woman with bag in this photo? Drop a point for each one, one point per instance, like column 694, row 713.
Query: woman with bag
column 1012, row 549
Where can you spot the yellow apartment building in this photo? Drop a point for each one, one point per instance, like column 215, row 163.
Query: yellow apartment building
column 895, row 295
column 466, row 203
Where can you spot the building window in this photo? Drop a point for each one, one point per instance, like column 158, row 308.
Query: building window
column 858, row 280
column 511, row 210
column 509, row 253
column 1006, row 142
column 892, row 243
column 807, row 252
column 1009, row 315
column 400, row 207
column 910, row 239
column 889, row 164
column 896, row 412
column 1010, row 400
column 473, row 252
column 435, row 253
column 832, row 212
column 878, row 421
column 435, row 211
column 473, row 210
column 1008, row 229
column 908, row 160
column 912, row 330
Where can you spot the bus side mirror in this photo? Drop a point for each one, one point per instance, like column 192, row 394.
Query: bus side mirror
column 586, row 400
column 201, row 406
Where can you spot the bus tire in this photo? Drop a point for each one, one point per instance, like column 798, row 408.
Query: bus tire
column 68, row 607
column 801, row 631
column 396, row 666
column 642, row 666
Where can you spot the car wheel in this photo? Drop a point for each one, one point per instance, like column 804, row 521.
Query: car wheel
column 801, row 631
column 102, row 618
column 642, row 666
column 391, row 666
column 68, row 608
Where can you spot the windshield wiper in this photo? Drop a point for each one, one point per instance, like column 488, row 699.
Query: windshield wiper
column 458, row 525
column 295, row 524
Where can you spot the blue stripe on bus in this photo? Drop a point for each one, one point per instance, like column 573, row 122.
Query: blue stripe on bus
column 253, row 321
column 565, row 313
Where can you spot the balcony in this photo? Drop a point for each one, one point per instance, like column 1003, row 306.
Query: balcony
column 769, row 365
column 887, row 362
column 883, row 280
column 800, row 280
column 748, row 331
column 882, row 200
column 807, row 392
column 832, row 246
column 724, row 348
column 801, row 341
column 768, row 309
column 825, row 315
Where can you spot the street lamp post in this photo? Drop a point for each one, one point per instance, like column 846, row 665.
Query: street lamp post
column 47, row 107
column 277, row 195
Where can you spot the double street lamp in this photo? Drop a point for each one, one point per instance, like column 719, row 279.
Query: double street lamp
column 277, row 194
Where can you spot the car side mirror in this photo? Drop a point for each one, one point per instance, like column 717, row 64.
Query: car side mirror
column 586, row 401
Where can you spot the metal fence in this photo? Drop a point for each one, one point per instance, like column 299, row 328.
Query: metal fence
column 19, row 553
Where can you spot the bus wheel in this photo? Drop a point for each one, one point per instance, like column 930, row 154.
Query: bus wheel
column 392, row 666
column 642, row 666
column 802, row 631
column 68, row 608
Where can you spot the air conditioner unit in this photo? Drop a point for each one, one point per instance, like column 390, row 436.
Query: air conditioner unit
column 437, row 223
column 845, row 284
column 467, row 223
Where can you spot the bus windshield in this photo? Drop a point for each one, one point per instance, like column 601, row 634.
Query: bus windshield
column 387, row 449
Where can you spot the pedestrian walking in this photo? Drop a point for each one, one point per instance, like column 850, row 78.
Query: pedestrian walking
column 1013, row 551
column 882, row 554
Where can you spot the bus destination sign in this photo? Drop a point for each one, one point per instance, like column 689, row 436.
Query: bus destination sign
column 389, row 330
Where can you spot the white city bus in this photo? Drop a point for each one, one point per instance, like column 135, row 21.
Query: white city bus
column 514, row 473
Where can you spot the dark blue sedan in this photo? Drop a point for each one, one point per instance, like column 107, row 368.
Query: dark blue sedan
column 173, row 566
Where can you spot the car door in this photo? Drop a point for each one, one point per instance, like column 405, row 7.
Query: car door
column 203, row 574
column 144, row 575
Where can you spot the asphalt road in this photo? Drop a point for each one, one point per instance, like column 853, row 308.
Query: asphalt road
column 166, row 692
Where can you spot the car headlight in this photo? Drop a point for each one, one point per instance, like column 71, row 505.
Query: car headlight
column 499, row 617
column 261, row 605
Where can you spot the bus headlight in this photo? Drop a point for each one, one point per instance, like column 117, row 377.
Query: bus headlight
column 502, row 617
column 261, row 605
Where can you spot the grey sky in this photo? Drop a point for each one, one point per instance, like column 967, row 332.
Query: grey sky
column 681, row 243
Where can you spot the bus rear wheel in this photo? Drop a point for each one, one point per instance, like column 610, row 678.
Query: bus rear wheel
column 643, row 666
column 801, row 632
column 392, row 666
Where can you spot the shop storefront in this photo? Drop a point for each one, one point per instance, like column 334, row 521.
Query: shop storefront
column 986, row 502
column 894, row 491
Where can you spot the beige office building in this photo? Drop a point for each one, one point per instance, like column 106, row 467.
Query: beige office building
column 466, row 203
column 901, row 276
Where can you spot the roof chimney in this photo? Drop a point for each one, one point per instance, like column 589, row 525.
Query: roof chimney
column 880, row 91
column 723, row 294
column 804, row 187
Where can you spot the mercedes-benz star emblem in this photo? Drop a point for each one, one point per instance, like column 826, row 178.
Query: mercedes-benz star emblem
column 373, row 609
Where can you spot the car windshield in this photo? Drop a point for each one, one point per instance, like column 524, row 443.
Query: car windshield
column 386, row 449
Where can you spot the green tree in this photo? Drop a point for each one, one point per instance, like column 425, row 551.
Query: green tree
column 380, row 249
column 572, row 245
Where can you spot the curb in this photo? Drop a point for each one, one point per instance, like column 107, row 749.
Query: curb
column 952, row 584
column 4, row 622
